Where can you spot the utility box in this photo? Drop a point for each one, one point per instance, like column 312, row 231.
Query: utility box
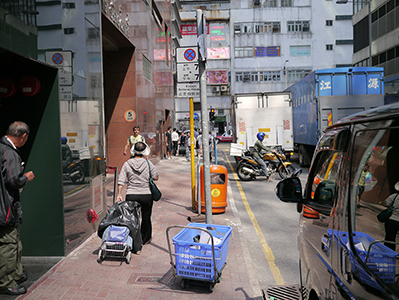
column 218, row 188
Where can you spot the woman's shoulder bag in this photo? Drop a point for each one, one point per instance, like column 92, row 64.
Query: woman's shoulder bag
column 155, row 192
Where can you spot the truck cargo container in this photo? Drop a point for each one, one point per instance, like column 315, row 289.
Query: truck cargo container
column 325, row 96
column 270, row 113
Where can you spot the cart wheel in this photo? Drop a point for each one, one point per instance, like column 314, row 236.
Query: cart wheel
column 211, row 287
column 128, row 257
column 183, row 284
column 99, row 256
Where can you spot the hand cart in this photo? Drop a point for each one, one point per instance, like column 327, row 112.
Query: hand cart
column 196, row 261
column 116, row 243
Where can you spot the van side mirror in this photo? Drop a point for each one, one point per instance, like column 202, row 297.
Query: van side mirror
column 289, row 190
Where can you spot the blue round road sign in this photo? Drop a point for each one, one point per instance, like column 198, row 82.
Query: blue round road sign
column 57, row 58
column 196, row 116
column 189, row 54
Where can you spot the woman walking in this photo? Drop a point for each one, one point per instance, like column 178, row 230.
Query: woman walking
column 135, row 173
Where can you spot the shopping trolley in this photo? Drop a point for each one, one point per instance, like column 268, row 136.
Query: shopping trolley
column 200, row 252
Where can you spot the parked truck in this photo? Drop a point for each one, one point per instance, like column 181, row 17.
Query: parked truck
column 325, row 96
column 270, row 113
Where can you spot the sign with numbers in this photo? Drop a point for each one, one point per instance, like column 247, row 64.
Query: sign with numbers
column 188, row 72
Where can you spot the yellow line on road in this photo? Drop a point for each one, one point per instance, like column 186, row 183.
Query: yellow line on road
column 265, row 247
column 74, row 190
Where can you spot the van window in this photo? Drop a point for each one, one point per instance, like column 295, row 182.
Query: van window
column 374, row 174
column 325, row 174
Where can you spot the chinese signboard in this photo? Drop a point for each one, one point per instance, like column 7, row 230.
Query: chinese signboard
column 267, row 51
column 191, row 29
column 218, row 53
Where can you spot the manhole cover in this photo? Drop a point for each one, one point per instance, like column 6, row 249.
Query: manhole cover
column 143, row 279
column 282, row 292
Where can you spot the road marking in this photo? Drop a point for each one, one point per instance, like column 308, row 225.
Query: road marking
column 68, row 194
column 265, row 247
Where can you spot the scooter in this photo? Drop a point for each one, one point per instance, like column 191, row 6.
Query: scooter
column 248, row 168
column 74, row 171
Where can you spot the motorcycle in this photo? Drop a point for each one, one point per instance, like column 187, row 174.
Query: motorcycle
column 74, row 171
column 248, row 168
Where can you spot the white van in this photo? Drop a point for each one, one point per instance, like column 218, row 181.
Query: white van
column 345, row 252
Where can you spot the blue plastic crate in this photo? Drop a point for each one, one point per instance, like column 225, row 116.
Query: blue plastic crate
column 381, row 259
column 194, row 260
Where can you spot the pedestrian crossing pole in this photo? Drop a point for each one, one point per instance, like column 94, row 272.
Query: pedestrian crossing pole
column 201, row 41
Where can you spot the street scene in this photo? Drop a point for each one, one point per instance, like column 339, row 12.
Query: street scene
column 266, row 255
column 197, row 149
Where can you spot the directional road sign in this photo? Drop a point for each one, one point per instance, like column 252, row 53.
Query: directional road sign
column 188, row 72
column 187, row 54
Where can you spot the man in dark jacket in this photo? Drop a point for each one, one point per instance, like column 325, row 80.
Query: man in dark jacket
column 13, row 179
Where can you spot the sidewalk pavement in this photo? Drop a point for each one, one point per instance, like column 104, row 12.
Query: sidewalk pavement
column 149, row 275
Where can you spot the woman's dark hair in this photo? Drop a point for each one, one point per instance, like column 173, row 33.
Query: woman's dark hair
column 140, row 147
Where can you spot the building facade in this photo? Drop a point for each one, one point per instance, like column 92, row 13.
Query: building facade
column 376, row 30
column 264, row 46
column 110, row 66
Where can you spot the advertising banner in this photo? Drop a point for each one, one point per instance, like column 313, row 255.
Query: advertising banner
column 218, row 53
column 217, row 77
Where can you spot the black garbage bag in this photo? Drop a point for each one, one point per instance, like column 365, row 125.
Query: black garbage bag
column 126, row 213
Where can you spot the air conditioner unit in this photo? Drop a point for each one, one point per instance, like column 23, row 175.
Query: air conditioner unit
column 224, row 88
column 215, row 89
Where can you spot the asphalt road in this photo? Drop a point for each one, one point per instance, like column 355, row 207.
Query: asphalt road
column 270, row 226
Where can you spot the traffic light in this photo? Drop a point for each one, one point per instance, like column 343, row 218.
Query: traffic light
column 212, row 115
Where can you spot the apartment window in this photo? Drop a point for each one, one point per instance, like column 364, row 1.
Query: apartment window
column 68, row 5
column 247, row 27
column 296, row 75
column 391, row 54
column 286, row 3
column 298, row 26
column 239, row 77
column 329, row 22
column 343, row 17
column 270, row 76
column 329, row 47
column 254, row 76
column 265, row 27
column 69, row 30
column 270, row 3
column 258, row 76
column 244, row 52
column 344, row 42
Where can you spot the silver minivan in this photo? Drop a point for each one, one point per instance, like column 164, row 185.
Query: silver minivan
column 345, row 251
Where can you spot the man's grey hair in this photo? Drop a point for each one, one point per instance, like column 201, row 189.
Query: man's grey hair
column 17, row 129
